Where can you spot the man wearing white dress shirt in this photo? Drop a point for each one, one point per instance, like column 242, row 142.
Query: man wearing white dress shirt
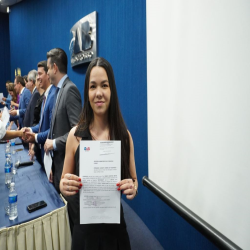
column 39, row 133
column 25, row 96
column 31, row 86
column 68, row 106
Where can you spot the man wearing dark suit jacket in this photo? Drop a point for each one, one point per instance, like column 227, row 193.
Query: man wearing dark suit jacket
column 23, row 101
column 66, row 112
column 31, row 86
column 40, row 132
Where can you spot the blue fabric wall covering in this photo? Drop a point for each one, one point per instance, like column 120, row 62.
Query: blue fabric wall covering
column 38, row 26
column 4, row 52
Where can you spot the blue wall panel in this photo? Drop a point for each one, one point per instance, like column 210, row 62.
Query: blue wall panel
column 38, row 26
column 4, row 52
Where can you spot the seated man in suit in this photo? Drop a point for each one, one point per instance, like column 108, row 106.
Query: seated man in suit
column 39, row 132
column 31, row 86
column 25, row 96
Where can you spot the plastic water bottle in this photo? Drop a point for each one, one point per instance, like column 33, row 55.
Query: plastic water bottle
column 7, row 150
column 13, row 165
column 13, row 202
column 8, row 174
column 12, row 144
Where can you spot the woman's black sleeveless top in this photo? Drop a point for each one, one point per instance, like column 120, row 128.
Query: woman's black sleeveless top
column 94, row 236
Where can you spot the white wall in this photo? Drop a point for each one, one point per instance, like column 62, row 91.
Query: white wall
column 198, row 69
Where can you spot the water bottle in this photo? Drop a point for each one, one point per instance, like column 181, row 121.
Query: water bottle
column 12, row 144
column 13, row 202
column 7, row 150
column 13, row 165
column 7, row 170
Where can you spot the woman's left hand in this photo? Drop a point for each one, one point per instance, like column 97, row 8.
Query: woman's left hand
column 127, row 187
column 70, row 184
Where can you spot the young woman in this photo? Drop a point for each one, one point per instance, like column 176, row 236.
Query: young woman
column 14, row 104
column 12, row 92
column 101, row 119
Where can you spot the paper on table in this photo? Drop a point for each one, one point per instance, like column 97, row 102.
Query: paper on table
column 5, row 116
column 100, row 170
column 1, row 97
column 47, row 163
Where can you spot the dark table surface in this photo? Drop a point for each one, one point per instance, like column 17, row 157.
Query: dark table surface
column 32, row 185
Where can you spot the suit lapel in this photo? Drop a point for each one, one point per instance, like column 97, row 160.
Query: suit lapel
column 29, row 105
column 46, row 103
column 31, row 98
column 57, row 104
column 21, row 100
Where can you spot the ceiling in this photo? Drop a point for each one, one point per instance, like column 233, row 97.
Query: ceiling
column 5, row 3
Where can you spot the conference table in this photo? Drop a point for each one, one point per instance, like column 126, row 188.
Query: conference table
column 44, row 229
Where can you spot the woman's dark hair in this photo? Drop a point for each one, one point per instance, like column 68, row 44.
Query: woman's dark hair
column 117, row 127
column 11, row 88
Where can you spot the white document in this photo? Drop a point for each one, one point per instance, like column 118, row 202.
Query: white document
column 1, row 97
column 5, row 116
column 47, row 163
column 100, row 170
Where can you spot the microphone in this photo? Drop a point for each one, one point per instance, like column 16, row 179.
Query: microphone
column 24, row 164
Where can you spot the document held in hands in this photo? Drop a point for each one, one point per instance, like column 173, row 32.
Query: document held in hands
column 1, row 97
column 5, row 116
column 100, row 170
column 47, row 163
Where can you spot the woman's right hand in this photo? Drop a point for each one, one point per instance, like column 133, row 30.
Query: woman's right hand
column 70, row 184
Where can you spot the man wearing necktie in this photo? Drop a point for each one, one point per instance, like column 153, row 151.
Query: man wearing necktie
column 31, row 86
column 25, row 96
column 38, row 134
column 66, row 112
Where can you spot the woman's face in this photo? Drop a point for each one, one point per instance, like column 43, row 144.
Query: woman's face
column 99, row 91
